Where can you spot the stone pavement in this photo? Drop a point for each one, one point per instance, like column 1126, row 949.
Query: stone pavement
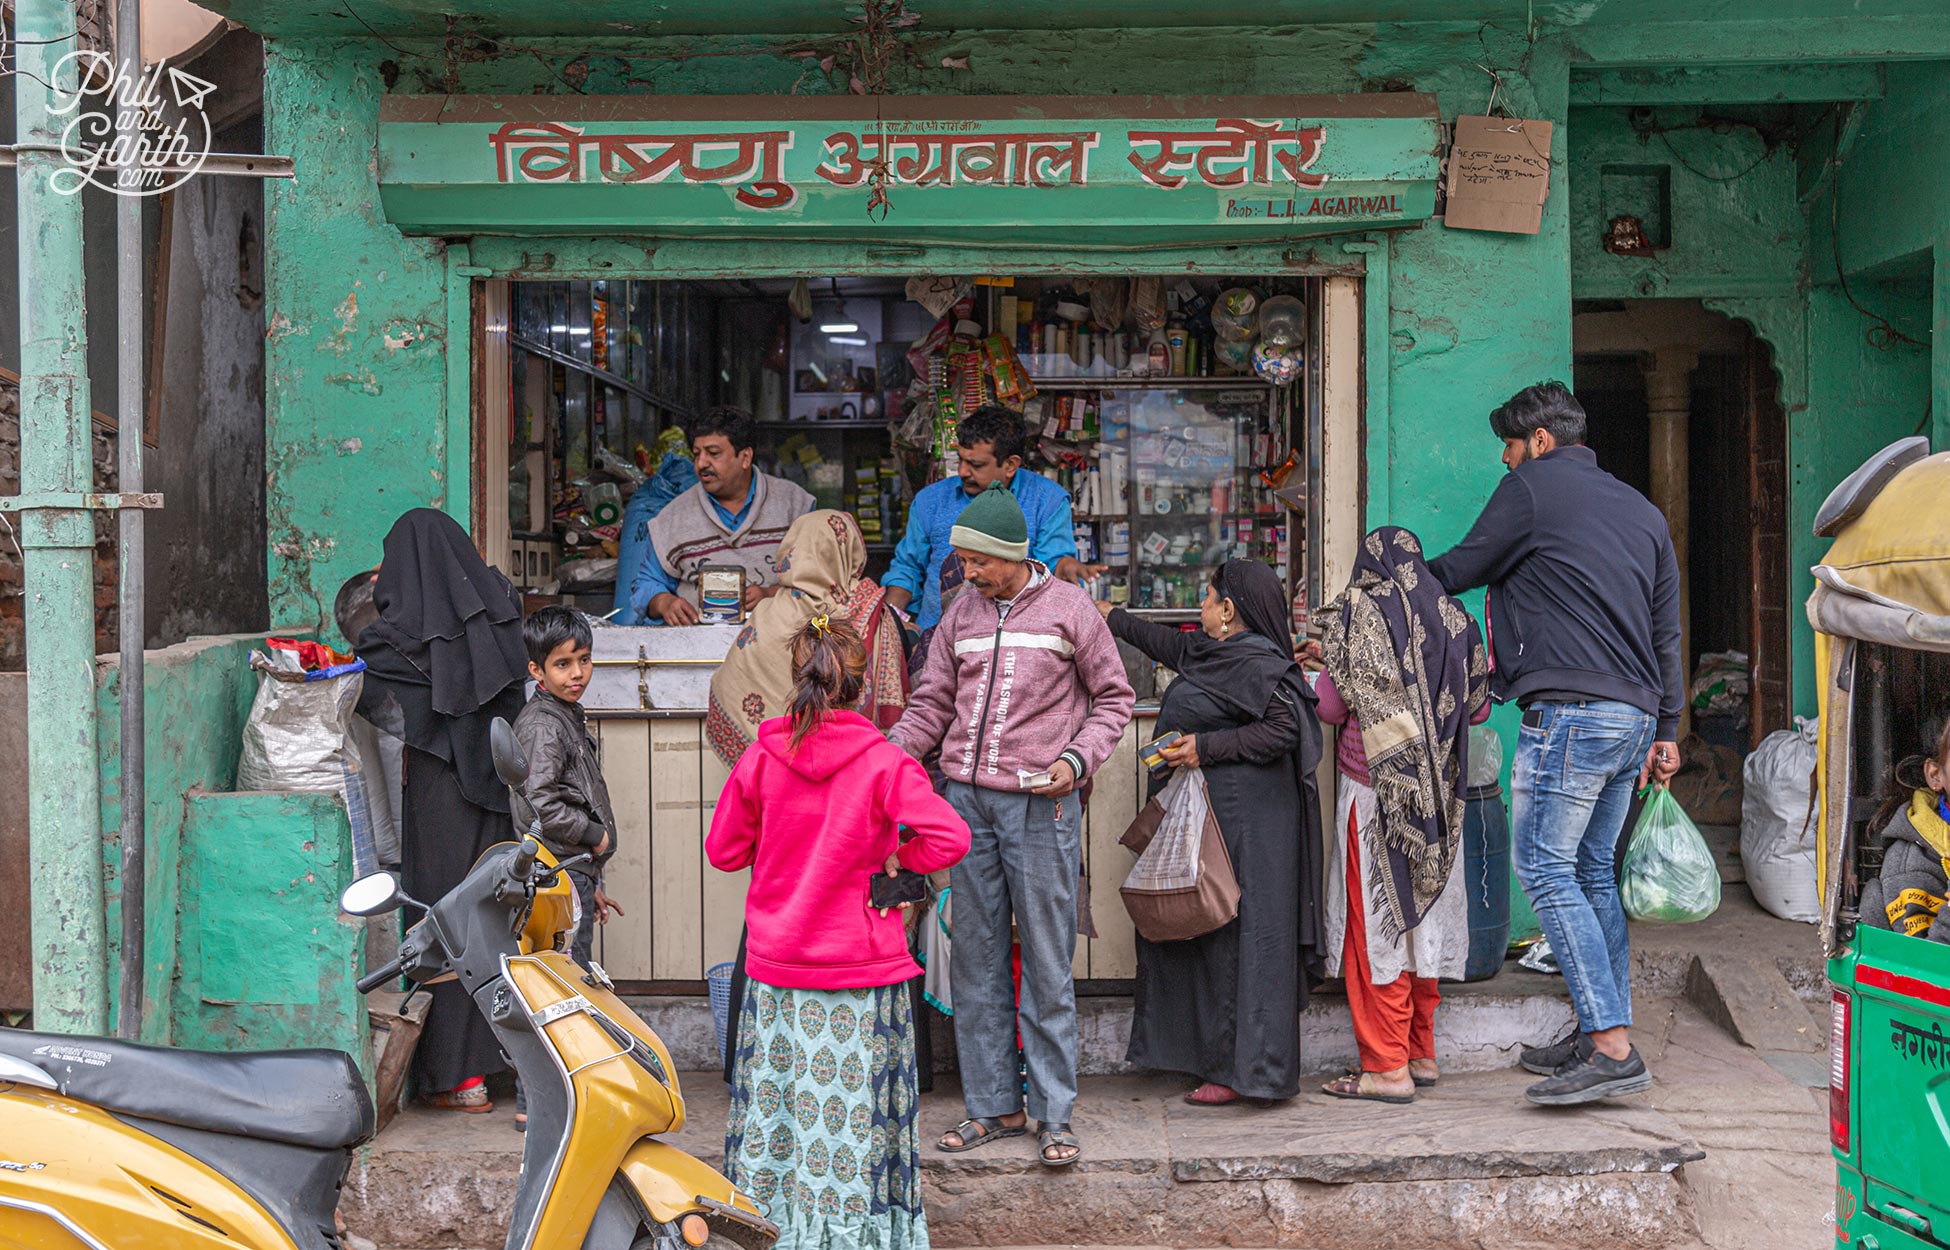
column 1468, row 1165
column 1728, row 1152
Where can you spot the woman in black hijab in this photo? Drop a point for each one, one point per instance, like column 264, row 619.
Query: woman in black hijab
column 1225, row 1007
column 443, row 660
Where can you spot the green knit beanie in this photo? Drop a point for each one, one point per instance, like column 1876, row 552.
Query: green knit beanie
column 993, row 525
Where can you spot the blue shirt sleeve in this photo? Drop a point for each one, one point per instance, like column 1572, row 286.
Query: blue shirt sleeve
column 651, row 580
column 1056, row 537
column 910, row 561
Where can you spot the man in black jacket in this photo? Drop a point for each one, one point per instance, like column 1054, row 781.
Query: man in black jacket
column 1583, row 617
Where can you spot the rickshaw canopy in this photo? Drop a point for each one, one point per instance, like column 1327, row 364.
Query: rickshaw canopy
column 1886, row 579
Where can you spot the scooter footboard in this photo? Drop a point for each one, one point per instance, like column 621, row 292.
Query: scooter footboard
column 671, row 1184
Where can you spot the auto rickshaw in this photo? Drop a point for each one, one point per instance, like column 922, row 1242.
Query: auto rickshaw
column 1881, row 613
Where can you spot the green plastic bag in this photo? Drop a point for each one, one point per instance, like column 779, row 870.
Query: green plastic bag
column 1670, row 876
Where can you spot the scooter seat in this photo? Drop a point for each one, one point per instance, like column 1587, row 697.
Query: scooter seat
column 312, row 1098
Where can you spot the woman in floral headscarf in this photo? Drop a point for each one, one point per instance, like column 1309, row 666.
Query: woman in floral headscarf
column 822, row 562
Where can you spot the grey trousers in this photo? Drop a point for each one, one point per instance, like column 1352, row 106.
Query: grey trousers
column 1023, row 859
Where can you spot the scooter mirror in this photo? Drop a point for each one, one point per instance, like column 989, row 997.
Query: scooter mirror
column 373, row 895
column 509, row 763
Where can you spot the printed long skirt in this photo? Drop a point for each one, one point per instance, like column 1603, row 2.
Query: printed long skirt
column 822, row 1126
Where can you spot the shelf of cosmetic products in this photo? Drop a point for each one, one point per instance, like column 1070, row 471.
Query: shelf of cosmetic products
column 1168, row 477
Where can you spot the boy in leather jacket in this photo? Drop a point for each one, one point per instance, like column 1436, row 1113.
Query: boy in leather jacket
column 564, row 794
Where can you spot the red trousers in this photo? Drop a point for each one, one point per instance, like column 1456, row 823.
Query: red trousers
column 1393, row 1023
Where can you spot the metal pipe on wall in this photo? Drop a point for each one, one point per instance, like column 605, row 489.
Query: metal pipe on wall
column 57, row 537
column 129, row 411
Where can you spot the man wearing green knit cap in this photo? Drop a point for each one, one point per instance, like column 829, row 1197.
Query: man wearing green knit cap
column 1025, row 694
column 992, row 525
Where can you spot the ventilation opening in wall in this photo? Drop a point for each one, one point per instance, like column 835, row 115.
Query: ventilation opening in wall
column 1642, row 193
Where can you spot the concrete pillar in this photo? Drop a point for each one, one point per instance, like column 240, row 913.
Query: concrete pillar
column 58, row 540
column 1669, row 401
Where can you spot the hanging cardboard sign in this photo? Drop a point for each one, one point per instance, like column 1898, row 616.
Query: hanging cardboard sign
column 1499, row 174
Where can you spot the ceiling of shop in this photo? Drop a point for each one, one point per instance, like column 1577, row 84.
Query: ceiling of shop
column 811, row 17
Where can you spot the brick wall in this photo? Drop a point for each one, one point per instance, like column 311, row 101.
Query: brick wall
column 13, row 642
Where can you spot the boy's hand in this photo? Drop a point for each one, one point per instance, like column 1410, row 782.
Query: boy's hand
column 602, row 848
column 605, row 905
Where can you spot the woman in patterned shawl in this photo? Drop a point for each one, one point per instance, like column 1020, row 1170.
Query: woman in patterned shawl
column 821, row 565
column 1406, row 674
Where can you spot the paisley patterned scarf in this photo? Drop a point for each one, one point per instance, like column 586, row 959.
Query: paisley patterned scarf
column 1410, row 663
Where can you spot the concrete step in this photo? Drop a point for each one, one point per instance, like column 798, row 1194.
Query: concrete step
column 1469, row 1164
column 1480, row 1027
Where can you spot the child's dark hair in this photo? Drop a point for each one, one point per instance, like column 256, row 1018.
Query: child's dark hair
column 1905, row 776
column 829, row 669
column 549, row 628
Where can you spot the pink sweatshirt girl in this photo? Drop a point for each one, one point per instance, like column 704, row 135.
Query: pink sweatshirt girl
column 814, row 825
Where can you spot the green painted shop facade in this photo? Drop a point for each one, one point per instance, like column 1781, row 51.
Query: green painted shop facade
column 1790, row 174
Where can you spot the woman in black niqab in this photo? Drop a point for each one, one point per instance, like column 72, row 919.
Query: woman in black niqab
column 1225, row 1008
column 443, row 660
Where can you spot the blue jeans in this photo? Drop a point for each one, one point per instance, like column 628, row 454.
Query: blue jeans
column 1022, row 866
column 1570, row 786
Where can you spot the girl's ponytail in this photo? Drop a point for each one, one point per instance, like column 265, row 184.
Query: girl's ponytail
column 829, row 669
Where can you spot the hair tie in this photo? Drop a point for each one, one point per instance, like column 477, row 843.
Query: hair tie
column 820, row 625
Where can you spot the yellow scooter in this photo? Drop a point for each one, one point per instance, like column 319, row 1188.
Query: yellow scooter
column 107, row 1144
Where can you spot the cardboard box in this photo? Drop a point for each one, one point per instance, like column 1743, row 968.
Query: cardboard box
column 1499, row 174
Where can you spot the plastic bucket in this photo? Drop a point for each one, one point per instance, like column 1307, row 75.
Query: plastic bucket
column 718, row 979
column 1486, row 875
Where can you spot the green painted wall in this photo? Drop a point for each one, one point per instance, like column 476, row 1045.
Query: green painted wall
column 1736, row 229
column 1882, row 219
column 367, row 413
column 360, row 428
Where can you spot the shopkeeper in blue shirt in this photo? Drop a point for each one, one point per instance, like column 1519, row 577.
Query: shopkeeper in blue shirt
column 990, row 444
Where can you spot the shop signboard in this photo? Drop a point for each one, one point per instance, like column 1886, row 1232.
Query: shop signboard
column 1129, row 169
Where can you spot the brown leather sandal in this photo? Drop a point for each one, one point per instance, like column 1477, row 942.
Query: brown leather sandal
column 1362, row 1087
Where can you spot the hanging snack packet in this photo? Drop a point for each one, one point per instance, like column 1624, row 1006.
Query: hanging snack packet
column 1012, row 384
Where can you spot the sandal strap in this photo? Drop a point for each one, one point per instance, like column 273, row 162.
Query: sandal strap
column 984, row 1126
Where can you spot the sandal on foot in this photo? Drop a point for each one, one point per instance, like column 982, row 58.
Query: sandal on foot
column 1057, row 1136
column 1213, row 1094
column 471, row 1101
column 1423, row 1082
column 1362, row 1087
column 985, row 1128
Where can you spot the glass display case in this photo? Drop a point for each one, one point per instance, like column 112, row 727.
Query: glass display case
column 1169, row 478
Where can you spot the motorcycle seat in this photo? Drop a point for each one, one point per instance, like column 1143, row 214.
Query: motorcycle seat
column 311, row 1098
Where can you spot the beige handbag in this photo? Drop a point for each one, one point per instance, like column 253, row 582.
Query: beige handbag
column 1183, row 884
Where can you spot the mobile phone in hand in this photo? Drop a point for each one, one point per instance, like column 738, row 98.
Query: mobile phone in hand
column 905, row 886
column 1153, row 752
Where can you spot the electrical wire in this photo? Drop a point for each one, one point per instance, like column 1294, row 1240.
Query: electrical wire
column 1766, row 154
column 1883, row 335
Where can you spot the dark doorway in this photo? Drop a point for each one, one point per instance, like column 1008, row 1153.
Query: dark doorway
column 1734, row 522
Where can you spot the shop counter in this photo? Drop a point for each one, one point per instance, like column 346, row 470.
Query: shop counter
column 680, row 915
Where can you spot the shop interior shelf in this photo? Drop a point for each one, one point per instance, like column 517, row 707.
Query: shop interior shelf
column 823, row 425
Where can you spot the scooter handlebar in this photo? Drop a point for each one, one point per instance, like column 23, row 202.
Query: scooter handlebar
column 522, row 866
column 373, row 980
